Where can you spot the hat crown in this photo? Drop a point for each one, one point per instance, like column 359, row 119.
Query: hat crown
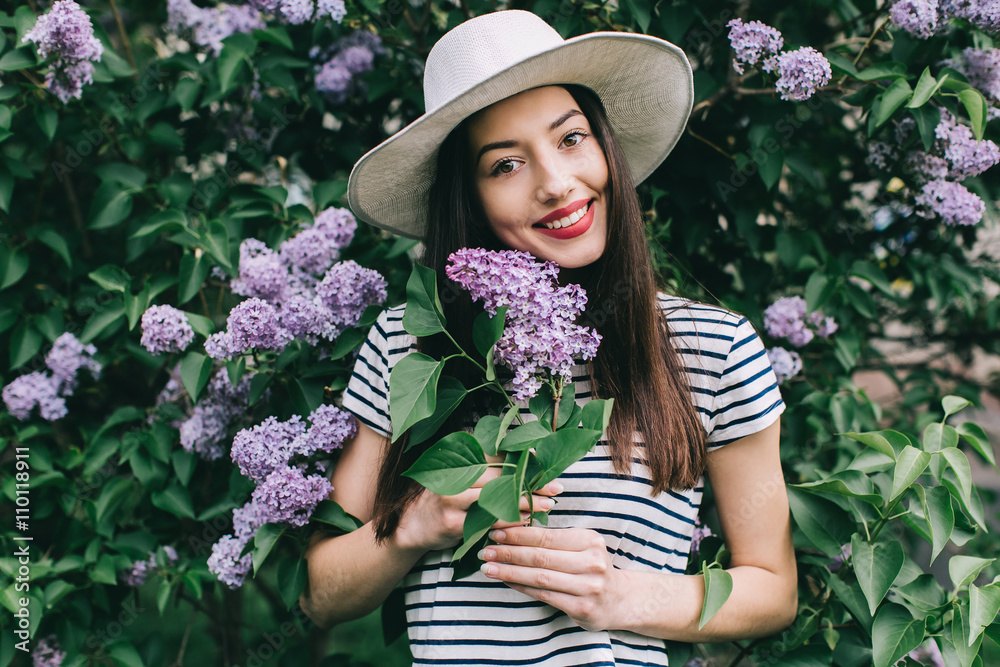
column 480, row 48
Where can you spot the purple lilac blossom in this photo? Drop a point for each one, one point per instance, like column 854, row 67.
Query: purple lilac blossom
column 67, row 356
column 335, row 9
column 540, row 339
column 210, row 25
column 317, row 248
column 296, row 11
column 951, row 201
column 226, row 562
column 334, row 80
column 246, row 521
column 165, row 329
column 329, row 428
column 801, row 72
column 824, row 325
column 347, row 289
column 66, row 32
column 262, row 449
column 699, row 534
column 262, row 272
column 786, row 364
column 252, row 324
column 982, row 68
column 34, row 389
column 141, row 570
column 355, row 54
column 966, row 156
column 920, row 18
column 880, row 154
column 48, row 653
column 786, row 318
column 841, row 558
column 928, row 653
column 925, row 166
column 266, row 6
column 753, row 43
column 203, row 432
column 984, row 14
column 306, row 319
column 289, row 496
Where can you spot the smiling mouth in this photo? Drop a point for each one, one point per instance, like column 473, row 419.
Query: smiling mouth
column 569, row 220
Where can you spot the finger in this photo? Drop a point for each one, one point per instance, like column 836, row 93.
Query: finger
column 549, row 580
column 464, row 499
column 553, row 488
column 571, row 562
column 538, row 504
column 566, row 539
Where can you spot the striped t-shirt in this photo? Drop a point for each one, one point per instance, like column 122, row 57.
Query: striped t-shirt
column 479, row 621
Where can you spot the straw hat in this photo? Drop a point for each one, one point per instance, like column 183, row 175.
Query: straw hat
column 645, row 84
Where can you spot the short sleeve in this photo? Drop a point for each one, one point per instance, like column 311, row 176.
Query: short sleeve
column 367, row 393
column 747, row 399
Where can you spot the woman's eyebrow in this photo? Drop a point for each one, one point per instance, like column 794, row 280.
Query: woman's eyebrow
column 511, row 144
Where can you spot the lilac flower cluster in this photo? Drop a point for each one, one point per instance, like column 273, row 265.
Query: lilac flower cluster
column 47, row 390
column 840, row 559
column 300, row 291
column 800, row 72
column 928, row 653
column 48, row 653
column 982, row 68
column 279, row 456
column 141, row 570
column 540, row 340
column 951, row 201
column 786, row 318
column 208, row 26
column 66, row 33
column 699, row 534
column 165, row 329
column 300, row 11
column 786, row 364
column 355, row 54
column 926, row 18
column 203, row 432
column 754, row 43
column 966, row 156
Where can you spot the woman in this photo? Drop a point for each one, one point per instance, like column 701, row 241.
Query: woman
column 534, row 143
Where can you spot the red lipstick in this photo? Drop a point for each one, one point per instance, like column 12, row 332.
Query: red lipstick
column 581, row 226
column 563, row 212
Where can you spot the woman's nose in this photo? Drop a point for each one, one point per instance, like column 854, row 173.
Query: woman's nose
column 554, row 183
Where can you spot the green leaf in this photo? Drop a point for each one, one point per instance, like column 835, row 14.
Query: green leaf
column 450, row 394
column 329, row 193
column 953, row 404
column 54, row 240
column 487, row 433
column 852, row 597
column 184, row 463
column 412, row 390
column 258, row 384
column 597, row 414
column 174, row 499
column 977, row 108
column 292, row 577
column 558, row 451
column 884, row 70
column 524, row 437
column 876, row 440
column 718, row 586
column 163, row 595
column 13, row 266
column 423, row 315
column 169, row 220
column 873, row 274
column 894, row 634
column 924, row 593
column 217, row 243
column 823, row 522
column 964, row 569
column 227, row 64
column 125, row 655
column 940, row 516
column 847, row 483
column 193, row 271
column 477, row 522
column 135, row 306
column 331, row 513
column 486, row 330
column 909, row 466
column 195, row 371
column 927, row 118
column 960, row 464
column 102, row 320
column 984, row 603
column 961, row 629
column 449, row 466
column 25, row 342
column 48, row 119
column 938, row 436
column 876, row 566
column 894, row 97
column 111, row 277
column 17, row 59
column 110, row 206
column 500, row 498
column 976, row 436
column 818, row 290
column 263, row 542
column 843, row 64
column 926, row 87
column 201, row 325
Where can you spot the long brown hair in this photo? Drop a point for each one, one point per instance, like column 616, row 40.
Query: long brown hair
column 636, row 363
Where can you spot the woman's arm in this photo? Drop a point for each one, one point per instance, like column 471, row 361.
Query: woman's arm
column 351, row 575
column 571, row 569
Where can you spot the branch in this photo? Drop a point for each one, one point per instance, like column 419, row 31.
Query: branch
column 125, row 42
column 708, row 143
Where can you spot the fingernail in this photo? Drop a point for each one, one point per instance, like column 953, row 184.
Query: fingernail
column 546, row 503
column 498, row 536
column 556, row 487
column 489, row 569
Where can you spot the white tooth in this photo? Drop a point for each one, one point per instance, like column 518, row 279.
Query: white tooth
column 576, row 215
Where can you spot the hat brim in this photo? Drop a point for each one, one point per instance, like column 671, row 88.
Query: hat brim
column 645, row 84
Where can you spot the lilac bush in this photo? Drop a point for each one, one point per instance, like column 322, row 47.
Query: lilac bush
column 66, row 34
column 47, row 390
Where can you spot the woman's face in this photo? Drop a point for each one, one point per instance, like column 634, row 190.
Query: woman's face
column 541, row 176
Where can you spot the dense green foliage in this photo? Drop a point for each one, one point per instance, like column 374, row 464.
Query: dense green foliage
column 131, row 195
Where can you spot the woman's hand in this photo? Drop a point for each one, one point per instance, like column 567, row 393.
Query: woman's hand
column 434, row 522
column 568, row 568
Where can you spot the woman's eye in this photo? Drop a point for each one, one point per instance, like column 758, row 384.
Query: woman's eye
column 573, row 139
column 503, row 167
